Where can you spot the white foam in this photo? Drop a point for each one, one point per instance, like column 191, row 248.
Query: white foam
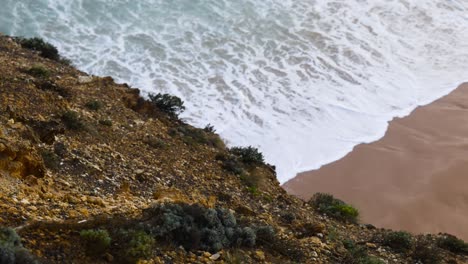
column 305, row 81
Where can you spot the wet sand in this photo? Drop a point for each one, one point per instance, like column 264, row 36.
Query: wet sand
column 415, row 178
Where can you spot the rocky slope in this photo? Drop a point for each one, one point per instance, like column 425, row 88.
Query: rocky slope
column 89, row 170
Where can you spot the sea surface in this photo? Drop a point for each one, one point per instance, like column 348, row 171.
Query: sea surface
column 303, row 80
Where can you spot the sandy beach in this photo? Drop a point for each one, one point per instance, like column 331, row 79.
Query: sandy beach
column 415, row 178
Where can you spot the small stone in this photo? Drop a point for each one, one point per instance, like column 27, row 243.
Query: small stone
column 371, row 245
column 314, row 254
column 85, row 79
column 215, row 256
column 207, row 254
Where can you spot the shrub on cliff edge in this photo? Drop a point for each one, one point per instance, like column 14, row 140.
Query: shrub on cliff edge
column 167, row 103
column 327, row 204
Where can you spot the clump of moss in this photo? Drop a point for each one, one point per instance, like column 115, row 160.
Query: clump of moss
column 38, row 71
column 453, row 244
column 400, row 241
column 45, row 49
column 94, row 105
column 327, row 204
column 96, row 241
column 72, row 120
column 167, row 103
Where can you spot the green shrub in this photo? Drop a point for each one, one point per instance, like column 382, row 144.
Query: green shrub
column 38, row 71
column 452, row 244
column 426, row 253
column 140, row 245
column 106, row 122
column 193, row 136
column 230, row 163
column 45, row 49
column 400, row 241
column 97, row 241
column 209, row 129
column 11, row 249
column 154, row 142
column 94, row 105
column 167, row 103
column 327, row 204
column 197, row 227
column 72, row 120
column 357, row 254
column 51, row 160
column 248, row 155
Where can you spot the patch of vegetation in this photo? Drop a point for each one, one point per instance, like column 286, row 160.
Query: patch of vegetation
column 425, row 252
column 327, row 204
column 196, row 227
column 38, row 71
column 51, row 160
column 400, row 241
column 11, row 249
column 47, row 85
column 106, row 122
column 209, row 129
column 357, row 254
column 169, row 104
column 72, row 120
column 453, row 244
column 193, row 136
column 139, row 245
column 230, row 163
column 94, row 105
column 248, row 155
column 45, row 49
column 96, row 241
column 156, row 143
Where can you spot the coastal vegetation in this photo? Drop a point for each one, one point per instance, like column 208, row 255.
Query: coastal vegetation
column 331, row 206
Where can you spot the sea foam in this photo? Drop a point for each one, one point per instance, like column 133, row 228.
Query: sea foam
column 303, row 80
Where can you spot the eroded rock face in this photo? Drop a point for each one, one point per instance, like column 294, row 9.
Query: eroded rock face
column 17, row 159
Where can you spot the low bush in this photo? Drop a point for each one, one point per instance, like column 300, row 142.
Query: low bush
column 400, row 241
column 209, row 129
column 45, row 49
column 167, row 103
column 72, row 120
column 139, row 246
column 193, row 136
column 357, row 255
column 11, row 249
column 453, row 244
column 230, row 163
column 94, row 105
column 38, row 71
column 248, row 155
column 426, row 253
column 106, row 122
column 51, row 160
column 197, row 227
column 96, row 241
column 327, row 204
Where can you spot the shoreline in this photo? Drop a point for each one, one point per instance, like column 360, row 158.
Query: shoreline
column 416, row 171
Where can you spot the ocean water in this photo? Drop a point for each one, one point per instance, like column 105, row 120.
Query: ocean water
column 303, row 80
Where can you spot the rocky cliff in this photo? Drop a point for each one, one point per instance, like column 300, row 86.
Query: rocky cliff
column 90, row 172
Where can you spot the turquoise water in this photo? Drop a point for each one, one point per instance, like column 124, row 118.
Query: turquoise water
column 305, row 81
